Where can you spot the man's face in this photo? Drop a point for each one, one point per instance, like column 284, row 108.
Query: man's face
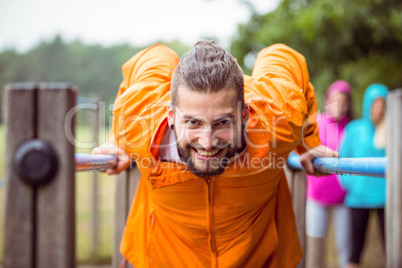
column 208, row 129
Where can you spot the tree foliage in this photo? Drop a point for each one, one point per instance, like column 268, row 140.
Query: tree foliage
column 94, row 69
column 359, row 41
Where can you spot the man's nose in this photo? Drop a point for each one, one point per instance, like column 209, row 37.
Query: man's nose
column 207, row 139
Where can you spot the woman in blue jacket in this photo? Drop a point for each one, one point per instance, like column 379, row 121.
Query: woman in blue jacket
column 365, row 137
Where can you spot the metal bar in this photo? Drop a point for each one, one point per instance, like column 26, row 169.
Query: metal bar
column 366, row 166
column 94, row 162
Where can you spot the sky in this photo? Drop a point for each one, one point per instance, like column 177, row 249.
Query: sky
column 25, row 23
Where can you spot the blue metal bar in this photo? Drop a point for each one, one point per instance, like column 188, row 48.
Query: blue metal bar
column 94, row 162
column 367, row 166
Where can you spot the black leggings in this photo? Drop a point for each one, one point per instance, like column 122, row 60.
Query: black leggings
column 360, row 218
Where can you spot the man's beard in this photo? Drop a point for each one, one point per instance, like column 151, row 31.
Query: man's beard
column 213, row 167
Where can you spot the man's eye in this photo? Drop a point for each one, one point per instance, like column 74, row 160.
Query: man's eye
column 192, row 122
column 223, row 123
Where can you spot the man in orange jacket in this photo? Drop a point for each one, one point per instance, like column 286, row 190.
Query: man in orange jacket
column 211, row 144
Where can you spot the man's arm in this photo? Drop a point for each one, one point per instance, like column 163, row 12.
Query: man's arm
column 281, row 63
column 310, row 147
column 146, row 80
column 310, row 137
column 145, row 72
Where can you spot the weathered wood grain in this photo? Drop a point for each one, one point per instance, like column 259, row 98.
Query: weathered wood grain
column 56, row 200
column 299, row 206
column 297, row 185
column 19, row 103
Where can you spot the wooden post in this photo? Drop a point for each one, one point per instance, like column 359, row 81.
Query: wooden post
column 297, row 186
column 19, row 103
column 40, row 218
column 126, row 186
column 315, row 252
column 394, row 180
column 94, row 122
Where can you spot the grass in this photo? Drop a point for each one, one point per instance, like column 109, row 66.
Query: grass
column 83, row 218
column 83, row 209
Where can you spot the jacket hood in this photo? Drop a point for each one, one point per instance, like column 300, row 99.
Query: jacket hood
column 373, row 92
column 337, row 86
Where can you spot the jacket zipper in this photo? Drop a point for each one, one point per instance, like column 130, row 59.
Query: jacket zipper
column 209, row 182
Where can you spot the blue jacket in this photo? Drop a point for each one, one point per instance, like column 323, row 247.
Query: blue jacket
column 358, row 141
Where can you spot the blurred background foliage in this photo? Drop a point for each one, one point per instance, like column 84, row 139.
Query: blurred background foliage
column 358, row 41
column 94, row 69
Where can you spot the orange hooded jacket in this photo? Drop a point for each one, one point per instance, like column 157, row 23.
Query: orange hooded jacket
column 242, row 218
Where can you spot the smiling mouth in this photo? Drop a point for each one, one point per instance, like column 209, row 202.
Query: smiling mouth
column 207, row 155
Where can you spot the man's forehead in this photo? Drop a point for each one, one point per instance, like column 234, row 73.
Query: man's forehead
column 222, row 97
column 218, row 117
column 206, row 113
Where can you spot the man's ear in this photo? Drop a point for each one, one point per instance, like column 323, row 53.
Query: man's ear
column 170, row 114
column 245, row 113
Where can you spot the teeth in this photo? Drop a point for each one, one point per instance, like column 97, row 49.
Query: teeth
column 207, row 153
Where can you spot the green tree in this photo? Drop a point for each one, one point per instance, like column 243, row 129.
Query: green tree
column 359, row 41
column 94, row 69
